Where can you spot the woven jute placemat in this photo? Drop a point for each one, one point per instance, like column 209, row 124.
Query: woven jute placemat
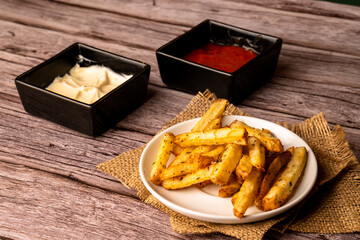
column 332, row 207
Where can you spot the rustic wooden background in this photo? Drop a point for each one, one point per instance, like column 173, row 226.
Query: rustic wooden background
column 49, row 185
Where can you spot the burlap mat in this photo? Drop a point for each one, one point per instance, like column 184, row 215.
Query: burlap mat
column 334, row 208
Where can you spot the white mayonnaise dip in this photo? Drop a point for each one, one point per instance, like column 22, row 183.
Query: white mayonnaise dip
column 87, row 84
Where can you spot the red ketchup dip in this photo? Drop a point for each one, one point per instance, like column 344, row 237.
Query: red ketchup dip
column 221, row 57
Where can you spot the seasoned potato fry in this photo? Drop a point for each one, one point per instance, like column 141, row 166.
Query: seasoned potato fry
column 270, row 142
column 185, row 168
column 227, row 164
column 204, row 184
column 270, row 176
column 230, row 188
column 215, row 124
column 286, row 181
column 216, row 153
column 247, row 163
column 215, row 111
column 210, row 120
column 162, row 157
column 256, row 153
column 199, row 176
column 291, row 149
column 189, row 153
column 244, row 167
column 177, row 150
column 203, row 161
column 212, row 137
column 178, row 170
column 243, row 199
column 183, row 157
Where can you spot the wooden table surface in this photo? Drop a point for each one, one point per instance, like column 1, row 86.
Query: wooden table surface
column 50, row 187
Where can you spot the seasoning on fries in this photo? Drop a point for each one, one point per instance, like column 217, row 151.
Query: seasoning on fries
column 249, row 164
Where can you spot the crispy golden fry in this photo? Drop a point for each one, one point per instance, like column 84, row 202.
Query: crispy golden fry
column 227, row 164
column 210, row 120
column 203, row 161
column 185, row 168
column 177, row 150
column 162, row 157
column 230, row 188
column 286, row 181
column 234, row 157
column 183, row 157
column 189, row 153
column 244, row 167
column 270, row 176
column 270, row 142
column 266, row 130
column 215, row 124
column 256, row 153
column 215, row 111
column 201, row 175
column 178, row 170
column 291, row 149
column 243, row 199
column 216, row 153
column 212, row 137
column 204, row 184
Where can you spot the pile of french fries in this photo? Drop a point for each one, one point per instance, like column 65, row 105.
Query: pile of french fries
column 247, row 163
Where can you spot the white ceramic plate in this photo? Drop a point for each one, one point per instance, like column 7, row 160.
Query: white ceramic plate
column 204, row 204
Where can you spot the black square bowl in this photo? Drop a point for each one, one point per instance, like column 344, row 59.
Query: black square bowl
column 184, row 75
column 91, row 119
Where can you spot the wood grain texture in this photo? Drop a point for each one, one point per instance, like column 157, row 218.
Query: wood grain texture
column 290, row 25
column 313, row 7
column 38, row 205
column 48, row 173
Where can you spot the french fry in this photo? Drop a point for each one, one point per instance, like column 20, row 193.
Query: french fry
column 212, row 137
column 162, row 157
column 188, row 154
column 201, row 175
column 234, row 157
column 286, row 181
column 177, row 150
column 244, row 198
column 270, row 142
column 178, row 170
column 227, row 164
column 210, row 120
column 203, row 161
column 231, row 187
column 256, row 153
column 215, row 111
column 215, row 124
column 215, row 153
column 204, row 184
column 270, row 176
column 185, row 168
column 183, row 157
column 244, row 167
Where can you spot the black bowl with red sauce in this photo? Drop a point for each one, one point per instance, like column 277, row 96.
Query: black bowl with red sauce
column 230, row 61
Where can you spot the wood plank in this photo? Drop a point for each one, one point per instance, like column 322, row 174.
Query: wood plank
column 294, row 63
column 316, row 72
column 288, row 94
column 299, row 62
column 35, row 205
column 38, row 205
column 291, row 26
column 75, row 155
column 323, row 8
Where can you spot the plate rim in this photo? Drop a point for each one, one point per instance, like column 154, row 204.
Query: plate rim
column 221, row 218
